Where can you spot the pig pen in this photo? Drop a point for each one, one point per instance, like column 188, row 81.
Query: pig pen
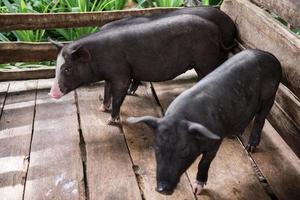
column 64, row 150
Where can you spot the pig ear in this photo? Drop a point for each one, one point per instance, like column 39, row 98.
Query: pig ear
column 81, row 54
column 149, row 120
column 200, row 130
column 58, row 45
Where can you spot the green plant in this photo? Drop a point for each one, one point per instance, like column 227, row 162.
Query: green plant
column 211, row 2
column 282, row 21
column 31, row 6
column 85, row 6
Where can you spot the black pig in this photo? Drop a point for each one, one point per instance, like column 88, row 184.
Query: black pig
column 157, row 50
column 224, row 23
column 222, row 104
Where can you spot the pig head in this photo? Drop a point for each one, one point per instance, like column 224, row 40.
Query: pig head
column 176, row 147
column 73, row 69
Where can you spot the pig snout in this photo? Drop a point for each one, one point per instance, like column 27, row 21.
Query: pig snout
column 164, row 188
column 55, row 91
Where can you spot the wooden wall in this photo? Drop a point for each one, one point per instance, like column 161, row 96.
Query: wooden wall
column 286, row 9
column 258, row 29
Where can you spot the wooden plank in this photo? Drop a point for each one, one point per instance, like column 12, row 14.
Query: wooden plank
column 3, row 91
column 286, row 9
column 27, row 52
column 55, row 168
column 231, row 175
column 285, row 118
column 285, row 127
column 258, row 29
column 140, row 140
column 15, row 137
column 289, row 103
column 109, row 168
column 277, row 162
column 32, row 21
column 27, row 74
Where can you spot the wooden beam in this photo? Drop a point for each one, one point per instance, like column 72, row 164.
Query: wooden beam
column 32, row 21
column 259, row 30
column 26, row 74
column 26, row 51
column 289, row 103
column 286, row 127
column 286, row 9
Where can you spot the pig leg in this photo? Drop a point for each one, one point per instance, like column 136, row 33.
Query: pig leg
column 119, row 91
column 133, row 87
column 203, row 167
column 107, row 97
column 259, row 122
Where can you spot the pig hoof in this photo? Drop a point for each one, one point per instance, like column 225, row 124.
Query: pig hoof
column 104, row 108
column 250, row 148
column 197, row 187
column 131, row 92
column 114, row 121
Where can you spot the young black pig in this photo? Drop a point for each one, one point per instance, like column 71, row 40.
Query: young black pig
column 222, row 104
column 156, row 50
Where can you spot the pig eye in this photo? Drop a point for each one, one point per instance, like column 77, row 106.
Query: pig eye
column 67, row 71
column 185, row 152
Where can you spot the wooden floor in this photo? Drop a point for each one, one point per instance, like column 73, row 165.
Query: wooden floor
column 64, row 150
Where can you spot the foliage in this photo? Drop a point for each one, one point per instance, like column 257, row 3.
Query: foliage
column 211, row 2
column 31, row 6
column 282, row 21
column 53, row 6
column 86, row 6
column 159, row 3
column 22, row 65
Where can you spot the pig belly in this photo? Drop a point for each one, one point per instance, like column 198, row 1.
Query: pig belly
column 161, row 68
column 162, row 73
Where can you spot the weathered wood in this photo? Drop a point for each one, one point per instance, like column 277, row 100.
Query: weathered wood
column 285, row 117
column 26, row 51
column 15, row 137
column 16, row 21
column 55, row 168
column 277, row 162
column 109, row 168
column 259, row 30
column 285, row 127
column 286, row 9
column 231, row 175
column 3, row 91
column 26, row 74
column 232, row 159
column 289, row 104
column 140, row 141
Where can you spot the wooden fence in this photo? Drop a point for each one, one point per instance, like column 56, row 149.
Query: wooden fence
column 256, row 27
